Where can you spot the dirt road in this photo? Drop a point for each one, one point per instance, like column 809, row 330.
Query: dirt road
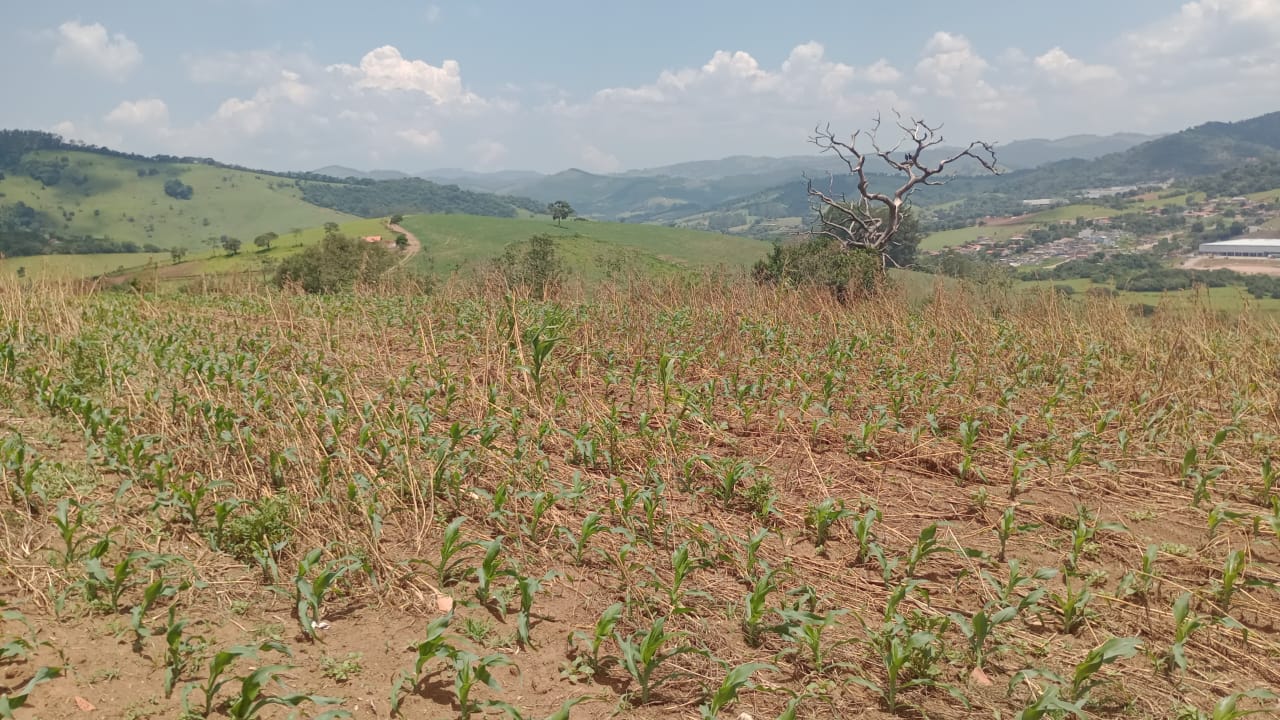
column 414, row 244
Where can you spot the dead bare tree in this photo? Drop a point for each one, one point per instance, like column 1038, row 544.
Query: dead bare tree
column 871, row 220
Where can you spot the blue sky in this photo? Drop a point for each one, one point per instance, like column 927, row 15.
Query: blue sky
column 607, row 86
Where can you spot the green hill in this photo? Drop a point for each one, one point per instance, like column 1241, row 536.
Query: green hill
column 124, row 199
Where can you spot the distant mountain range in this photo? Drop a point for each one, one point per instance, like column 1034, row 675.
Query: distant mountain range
column 672, row 191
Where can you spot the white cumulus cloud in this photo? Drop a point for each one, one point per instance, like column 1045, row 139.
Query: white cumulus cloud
column 91, row 47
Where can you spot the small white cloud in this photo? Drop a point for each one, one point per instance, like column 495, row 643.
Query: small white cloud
column 386, row 69
column 420, row 139
column 93, row 48
column 433, row 13
column 150, row 112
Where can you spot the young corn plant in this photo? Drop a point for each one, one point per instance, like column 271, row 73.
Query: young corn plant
column 528, row 587
column 154, row 592
column 491, row 568
column 1007, row 527
column 1072, row 607
column 1140, row 584
column 1185, row 623
column 822, row 517
column 755, row 608
column 682, row 566
column 20, row 465
column 580, row 541
column 749, row 559
column 642, row 655
column 10, row 702
column 252, row 697
column 925, row 546
column 587, row 663
column 979, row 630
column 309, row 592
column 469, row 671
column 179, row 651
column 217, row 677
column 1073, row 695
column 863, row 535
column 909, row 659
column 737, row 680
column 805, row 629
column 435, row 646
column 1228, row 708
column 969, row 430
column 449, row 568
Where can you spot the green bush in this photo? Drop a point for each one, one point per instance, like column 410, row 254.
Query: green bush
column 337, row 263
column 821, row 262
column 538, row 269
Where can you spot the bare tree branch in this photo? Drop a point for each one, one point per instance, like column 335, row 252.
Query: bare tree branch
column 871, row 220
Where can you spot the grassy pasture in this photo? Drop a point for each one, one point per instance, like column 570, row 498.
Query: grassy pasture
column 457, row 242
column 795, row 506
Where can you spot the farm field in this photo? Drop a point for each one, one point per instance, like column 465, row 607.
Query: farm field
column 666, row 499
column 116, row 202
column 456, row 242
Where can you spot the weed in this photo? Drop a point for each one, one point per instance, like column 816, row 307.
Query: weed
column 341, row 669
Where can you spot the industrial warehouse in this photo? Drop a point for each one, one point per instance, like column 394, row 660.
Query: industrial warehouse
column 1248, row 247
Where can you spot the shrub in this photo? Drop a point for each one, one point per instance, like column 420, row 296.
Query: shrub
column 178, row 190
column 821, row 262
column 335, row 264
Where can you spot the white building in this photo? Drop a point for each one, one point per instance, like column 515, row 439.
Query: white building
column 1248, row 247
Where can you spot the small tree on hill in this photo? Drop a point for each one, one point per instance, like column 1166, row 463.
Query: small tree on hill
column 872, row 220
column 231, row 245
column 402, row 241
column 177, row 254
column 559, row 210
column 265, row 239
column 397, row 219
